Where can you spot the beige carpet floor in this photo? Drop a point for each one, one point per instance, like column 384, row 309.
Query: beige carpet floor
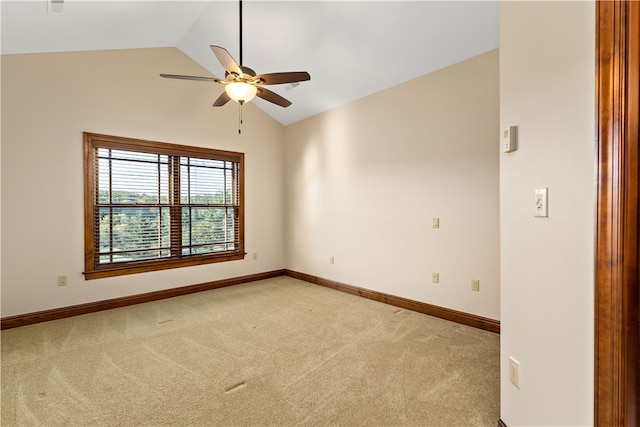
column 278, row 352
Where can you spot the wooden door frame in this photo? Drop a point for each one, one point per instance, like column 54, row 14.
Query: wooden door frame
column 616, row 259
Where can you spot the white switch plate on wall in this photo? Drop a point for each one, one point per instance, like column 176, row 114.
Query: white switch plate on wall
column 509, row 139
column 541, row 202
column 514, row 371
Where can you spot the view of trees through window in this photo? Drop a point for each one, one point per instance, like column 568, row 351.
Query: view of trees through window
column 157, row 205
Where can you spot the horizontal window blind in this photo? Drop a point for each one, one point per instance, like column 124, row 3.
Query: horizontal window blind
column 157, row 205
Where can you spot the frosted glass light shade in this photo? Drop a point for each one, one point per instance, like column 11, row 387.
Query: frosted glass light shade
column 241, row 92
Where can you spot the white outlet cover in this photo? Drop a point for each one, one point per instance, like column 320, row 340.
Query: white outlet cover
column 541, row 202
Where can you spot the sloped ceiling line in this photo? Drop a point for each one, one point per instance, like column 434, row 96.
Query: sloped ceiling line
column 351, row 48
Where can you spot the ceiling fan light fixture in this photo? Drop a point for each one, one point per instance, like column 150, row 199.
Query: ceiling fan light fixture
column 241, row 83
column 241, row 92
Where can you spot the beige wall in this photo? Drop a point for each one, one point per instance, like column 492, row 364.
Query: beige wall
column 363, row 182
column 547, row 63
column 48, row 100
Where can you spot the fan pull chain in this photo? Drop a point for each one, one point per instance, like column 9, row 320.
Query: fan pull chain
column 240, row 120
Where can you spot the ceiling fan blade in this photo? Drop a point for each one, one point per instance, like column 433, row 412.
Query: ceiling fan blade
column 273, row 97
column 226, row 59
column 198, row 78
column 280, row 78
column 222, row 99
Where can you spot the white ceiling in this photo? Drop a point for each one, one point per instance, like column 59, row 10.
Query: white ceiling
column 350, row 48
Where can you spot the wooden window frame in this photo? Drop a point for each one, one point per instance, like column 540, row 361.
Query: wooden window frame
column 92, row 142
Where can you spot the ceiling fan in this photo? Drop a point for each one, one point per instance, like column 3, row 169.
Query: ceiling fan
column 241, row 83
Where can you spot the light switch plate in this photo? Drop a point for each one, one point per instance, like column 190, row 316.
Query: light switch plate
column 541, row 202
column 514, row 371
column 509, row 139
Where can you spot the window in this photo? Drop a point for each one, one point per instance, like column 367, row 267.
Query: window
column 152, row 206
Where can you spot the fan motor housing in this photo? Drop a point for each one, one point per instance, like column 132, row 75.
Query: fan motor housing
column 246, row 71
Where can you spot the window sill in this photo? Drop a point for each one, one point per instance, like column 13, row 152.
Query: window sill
column 145, row 267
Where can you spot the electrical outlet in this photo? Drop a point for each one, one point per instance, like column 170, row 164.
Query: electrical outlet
column 514, row 371
column 435, row 223
column 475, row 285
column 63, row 280
column 255, row 255
column 435, row 277
column 331, row 260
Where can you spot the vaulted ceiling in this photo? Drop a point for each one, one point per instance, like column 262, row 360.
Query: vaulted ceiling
column 350, row 48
